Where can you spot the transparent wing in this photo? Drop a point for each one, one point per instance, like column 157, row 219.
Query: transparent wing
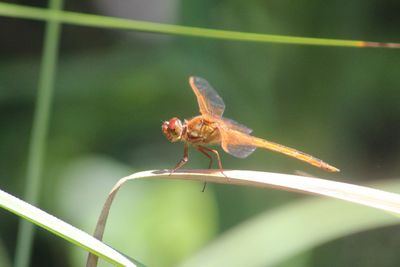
column 236, row 126
column 236, row 143
column 210, row 103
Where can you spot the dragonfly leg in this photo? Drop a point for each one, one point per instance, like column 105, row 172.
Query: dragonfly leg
column 200, row 148
column 184, row 160
column 204, row 150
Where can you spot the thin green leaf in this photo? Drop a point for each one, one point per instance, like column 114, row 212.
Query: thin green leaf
column 62, row 229
column 4, row 259
column 39, row 133
column 18, row 11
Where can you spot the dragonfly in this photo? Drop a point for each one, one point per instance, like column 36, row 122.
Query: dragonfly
column 211, row 128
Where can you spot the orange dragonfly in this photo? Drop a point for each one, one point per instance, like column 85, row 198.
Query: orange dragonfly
column 210, row 128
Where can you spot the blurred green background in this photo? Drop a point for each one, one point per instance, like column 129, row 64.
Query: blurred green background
column 113, row 88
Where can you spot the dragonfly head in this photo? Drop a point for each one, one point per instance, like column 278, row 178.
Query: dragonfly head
column 172, row 129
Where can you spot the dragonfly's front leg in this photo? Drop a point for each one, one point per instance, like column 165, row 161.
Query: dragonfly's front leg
column 184, row 160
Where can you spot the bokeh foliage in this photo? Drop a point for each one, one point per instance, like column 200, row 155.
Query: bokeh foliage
column 114, row 87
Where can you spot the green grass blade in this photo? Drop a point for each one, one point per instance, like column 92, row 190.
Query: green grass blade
column 39, row 133
column 62, row 229
column 5, row 261
column 18, row 11
column 280, row 234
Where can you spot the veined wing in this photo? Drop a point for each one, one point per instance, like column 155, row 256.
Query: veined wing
column 210, row 103
column 242, row 145
column 236, row 143
column 236, row 126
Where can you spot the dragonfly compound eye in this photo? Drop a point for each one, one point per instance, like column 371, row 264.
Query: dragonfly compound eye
column 172, row 129
column 175, row 124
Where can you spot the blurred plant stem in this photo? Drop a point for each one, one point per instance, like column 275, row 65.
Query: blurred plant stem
column 39, row 133
column 74, row 18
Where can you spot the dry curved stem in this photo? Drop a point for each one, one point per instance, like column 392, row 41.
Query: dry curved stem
column 353, row 193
